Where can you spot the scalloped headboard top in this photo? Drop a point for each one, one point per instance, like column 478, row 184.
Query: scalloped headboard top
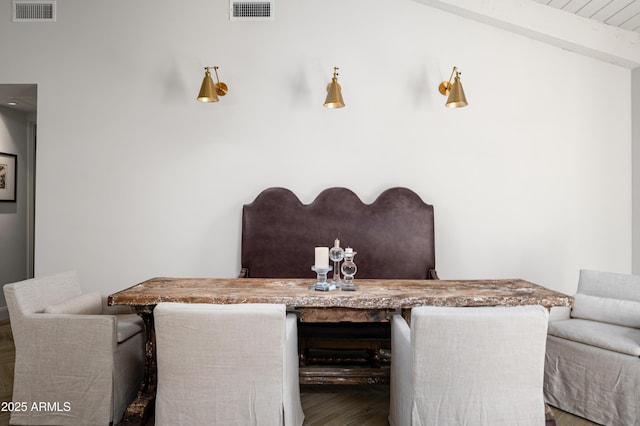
column 393, row 236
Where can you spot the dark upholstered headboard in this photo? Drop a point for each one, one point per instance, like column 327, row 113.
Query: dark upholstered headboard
column 393, row 236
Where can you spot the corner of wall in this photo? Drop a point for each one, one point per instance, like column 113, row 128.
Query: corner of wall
column 635, row 158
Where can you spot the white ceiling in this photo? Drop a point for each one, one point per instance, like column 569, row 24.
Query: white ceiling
column 23, row 95
column 624, row 14
column 575, row 25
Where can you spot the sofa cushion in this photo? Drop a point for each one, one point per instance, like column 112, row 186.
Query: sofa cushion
column 625, row 340
column 128, row 326
column 84, row 304
column 612, row 311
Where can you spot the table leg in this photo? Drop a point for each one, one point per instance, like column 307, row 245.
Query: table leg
column 139, row 411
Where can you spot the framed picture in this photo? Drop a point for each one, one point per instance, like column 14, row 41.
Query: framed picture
column 8, row 175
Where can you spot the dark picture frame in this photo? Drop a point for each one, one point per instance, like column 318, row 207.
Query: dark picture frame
column 8, row 177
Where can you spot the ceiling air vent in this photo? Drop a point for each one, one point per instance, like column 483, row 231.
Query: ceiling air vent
column 250, row 10
column 34, row 11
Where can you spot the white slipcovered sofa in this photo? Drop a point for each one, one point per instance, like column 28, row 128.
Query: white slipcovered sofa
column 78, row 361
column 592, row 367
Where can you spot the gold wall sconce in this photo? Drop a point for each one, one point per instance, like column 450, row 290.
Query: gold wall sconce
column 456, row 97
column 334, row 92
column 209, row 91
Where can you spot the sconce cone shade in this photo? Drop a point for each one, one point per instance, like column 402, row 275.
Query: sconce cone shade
column 334, row 95
column 456, row 97
column 207, row 90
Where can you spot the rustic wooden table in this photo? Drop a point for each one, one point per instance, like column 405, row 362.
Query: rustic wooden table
column 374, row 300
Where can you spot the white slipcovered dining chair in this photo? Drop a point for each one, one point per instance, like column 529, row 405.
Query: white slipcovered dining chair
column 226, row 365
column 78, row 361
column 468, row 366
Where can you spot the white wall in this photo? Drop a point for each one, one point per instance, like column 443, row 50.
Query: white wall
column 137, row 179
column 13, row 216
column 635, row 120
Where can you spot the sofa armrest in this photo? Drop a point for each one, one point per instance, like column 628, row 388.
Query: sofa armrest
column 75, row 333
column 559, row 313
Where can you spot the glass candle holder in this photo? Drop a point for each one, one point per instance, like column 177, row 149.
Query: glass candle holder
column 336, row 254
column 321, row 279
column 349, row 269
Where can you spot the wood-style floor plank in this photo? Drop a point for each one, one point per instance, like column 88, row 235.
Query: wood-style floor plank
column 369, row 405
column 345, row 405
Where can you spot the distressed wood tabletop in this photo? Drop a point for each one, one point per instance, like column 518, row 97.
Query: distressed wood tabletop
column 371, row 293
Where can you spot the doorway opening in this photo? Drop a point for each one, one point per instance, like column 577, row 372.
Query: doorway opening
column 18, row 134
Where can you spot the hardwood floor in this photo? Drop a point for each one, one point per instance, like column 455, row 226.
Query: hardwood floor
column 345, row 405
column 323, row 405
column 369, row 405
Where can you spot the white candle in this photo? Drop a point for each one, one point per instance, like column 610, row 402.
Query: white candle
column 322, row 257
